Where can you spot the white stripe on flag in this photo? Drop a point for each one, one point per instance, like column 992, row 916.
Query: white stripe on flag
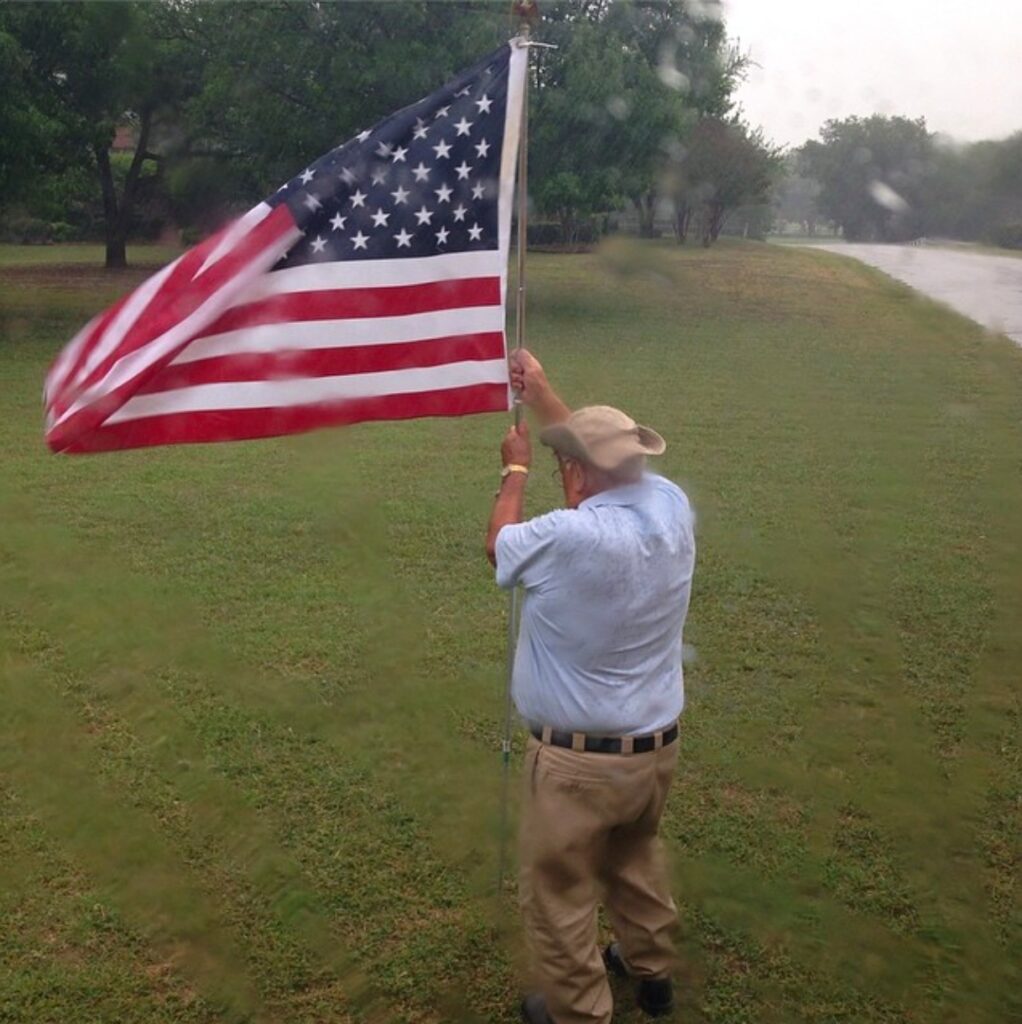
column 310, row 390
column 316, row 334
column 234, row 233
column 375, row 273
column 126, row 318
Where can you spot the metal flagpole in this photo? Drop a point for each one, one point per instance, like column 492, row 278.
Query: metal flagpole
column 513, row 598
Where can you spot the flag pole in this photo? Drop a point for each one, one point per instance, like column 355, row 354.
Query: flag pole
column 514, row 596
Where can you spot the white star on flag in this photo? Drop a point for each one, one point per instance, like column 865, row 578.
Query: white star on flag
column 401, row 195
column 442, row 149
column 358, row 198
column 478, row 190
column 337, row 221
column 307, row 175
column 403, row 239
column 482, row 148
column 360, row 240
column 312, row 202
column 441, row 236
column 318, row 244
column 475, row 232
column 459, row 212
column 424, row 216
column 443, row 194
column 463, row 170
column 484, row 104
column 463, row 126
column 380, row 218
column 421, row 172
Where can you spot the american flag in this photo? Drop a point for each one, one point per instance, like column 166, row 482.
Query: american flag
column 370, row 286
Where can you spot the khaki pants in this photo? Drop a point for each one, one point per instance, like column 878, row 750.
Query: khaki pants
column 589, row 829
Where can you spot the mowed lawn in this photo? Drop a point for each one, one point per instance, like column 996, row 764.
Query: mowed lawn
column 252, row 693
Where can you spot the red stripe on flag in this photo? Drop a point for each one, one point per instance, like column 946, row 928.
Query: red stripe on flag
column 246, row 424
column 65, row 391
column 360, row 303
column 277, row 226
column 170, row 306
column 327, row 362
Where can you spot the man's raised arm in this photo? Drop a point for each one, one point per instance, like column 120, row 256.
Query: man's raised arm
column 534, row 390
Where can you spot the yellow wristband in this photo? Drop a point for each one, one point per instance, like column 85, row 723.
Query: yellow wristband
column 513, row 468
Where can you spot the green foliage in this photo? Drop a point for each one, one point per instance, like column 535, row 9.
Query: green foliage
column 615, row 99
column 323, row 72
column 873, row 174
column 722, row 166
column 942, row 189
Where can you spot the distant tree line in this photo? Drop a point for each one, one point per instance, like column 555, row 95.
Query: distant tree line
column 891, row 179
column 214, row 105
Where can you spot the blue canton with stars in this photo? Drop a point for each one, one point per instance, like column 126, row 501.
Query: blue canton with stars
column 424, row 181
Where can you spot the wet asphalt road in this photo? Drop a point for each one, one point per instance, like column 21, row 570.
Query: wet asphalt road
column 983, row 287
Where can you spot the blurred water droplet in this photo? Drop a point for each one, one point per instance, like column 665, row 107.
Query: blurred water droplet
column 617, row 106
column 705, row 10
column 885, row 196
column 672, row 77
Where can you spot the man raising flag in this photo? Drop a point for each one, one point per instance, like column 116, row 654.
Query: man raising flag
column 598, row 681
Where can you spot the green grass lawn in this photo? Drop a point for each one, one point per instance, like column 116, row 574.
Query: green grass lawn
column 251, row 693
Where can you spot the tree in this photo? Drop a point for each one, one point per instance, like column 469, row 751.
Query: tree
column 873, row 174
column 796, row 195
column 90, row 67
column 616, row 98
column 724, row 165
column 324, row 71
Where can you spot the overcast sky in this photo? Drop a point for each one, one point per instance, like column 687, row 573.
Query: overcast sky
column 956, row 63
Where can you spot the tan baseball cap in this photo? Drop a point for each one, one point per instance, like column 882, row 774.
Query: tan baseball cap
column 602, row 436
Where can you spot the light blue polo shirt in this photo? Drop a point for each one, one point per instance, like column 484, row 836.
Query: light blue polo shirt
column 606, row 594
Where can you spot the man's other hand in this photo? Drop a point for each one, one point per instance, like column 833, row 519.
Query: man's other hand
column 516, row 448
column 528, row 379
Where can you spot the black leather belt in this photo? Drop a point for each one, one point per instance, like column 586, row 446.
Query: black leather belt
column 606, row 744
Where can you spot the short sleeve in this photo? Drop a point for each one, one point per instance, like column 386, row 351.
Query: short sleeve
column 525, row 551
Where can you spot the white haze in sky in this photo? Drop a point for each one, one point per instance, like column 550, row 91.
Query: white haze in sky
column 957, row 64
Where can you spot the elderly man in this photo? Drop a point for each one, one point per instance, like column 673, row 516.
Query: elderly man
column 598, row 681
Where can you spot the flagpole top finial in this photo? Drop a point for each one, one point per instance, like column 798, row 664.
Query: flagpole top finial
column 527, row 12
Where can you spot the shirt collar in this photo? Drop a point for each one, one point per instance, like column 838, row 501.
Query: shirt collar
column 627, row 494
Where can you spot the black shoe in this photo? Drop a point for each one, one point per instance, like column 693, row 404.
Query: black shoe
column 614, row 961
column 533, row 1009
column 655, row 996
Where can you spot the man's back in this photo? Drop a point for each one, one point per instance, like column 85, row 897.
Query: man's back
column 607, row 590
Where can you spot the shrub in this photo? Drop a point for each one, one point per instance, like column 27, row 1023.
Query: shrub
column 23, row 229
column 1008, row 236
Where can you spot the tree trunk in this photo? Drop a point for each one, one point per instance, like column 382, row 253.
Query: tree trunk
column 569, row 229
column 117, row 214
column 716, row 221
column 116, row 257
column 682, row 219
column 645, row 203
